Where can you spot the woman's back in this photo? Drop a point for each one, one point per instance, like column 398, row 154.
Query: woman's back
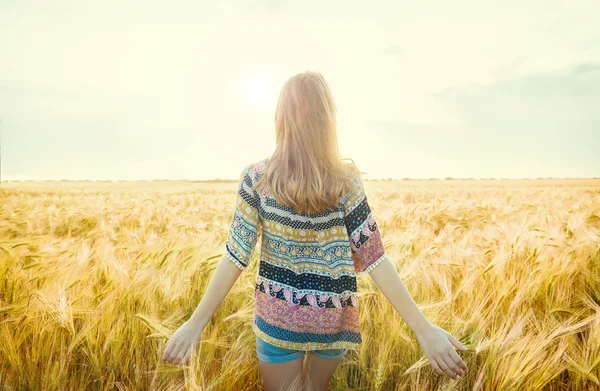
column 306, row 291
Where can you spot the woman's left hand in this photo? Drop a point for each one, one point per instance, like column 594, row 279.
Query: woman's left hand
column 180, row 346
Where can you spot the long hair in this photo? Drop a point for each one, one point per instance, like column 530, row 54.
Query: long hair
column 306, row 171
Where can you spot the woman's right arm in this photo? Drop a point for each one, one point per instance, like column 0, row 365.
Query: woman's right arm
column 368, row 253
column 436, row 342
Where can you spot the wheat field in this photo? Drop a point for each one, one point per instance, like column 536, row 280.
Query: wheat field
column 95, row 276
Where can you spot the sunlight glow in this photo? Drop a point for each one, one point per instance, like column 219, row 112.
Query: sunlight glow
column 258, row 90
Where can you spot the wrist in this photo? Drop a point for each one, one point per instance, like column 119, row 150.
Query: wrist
column 195, row 330
column 423, row 328
column 197, row 322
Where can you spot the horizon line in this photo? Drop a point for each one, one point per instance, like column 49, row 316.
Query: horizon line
column 236, row 180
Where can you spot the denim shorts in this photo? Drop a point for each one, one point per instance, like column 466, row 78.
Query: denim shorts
column 270, row 353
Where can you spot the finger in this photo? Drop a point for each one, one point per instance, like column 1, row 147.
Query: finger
column 456, row 342
column 178, row 355
column 442, row 363
column 172, row 347
column 435, row 366
column 169, row 350
column 457, row 360
column 454, row 371
column 188, row 355
column 173, row 355
column 173, row 358
column 184, row 354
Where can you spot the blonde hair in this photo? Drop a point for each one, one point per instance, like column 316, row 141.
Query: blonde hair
column 306, row 170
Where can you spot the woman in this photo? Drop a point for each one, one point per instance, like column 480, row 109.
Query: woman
column 318, row 233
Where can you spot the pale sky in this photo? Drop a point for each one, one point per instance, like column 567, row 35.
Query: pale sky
column 187, row 89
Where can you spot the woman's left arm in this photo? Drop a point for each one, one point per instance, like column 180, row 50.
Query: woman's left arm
column 178, row 349
column 223, row 279
column 239, row 248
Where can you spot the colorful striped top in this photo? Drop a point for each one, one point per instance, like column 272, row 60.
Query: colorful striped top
column 305, row 290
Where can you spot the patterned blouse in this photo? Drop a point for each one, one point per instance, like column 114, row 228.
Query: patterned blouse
column 306, row 291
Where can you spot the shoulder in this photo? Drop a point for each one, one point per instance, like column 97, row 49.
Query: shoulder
column 354, row 188
column 252, row 171
column 353, row 177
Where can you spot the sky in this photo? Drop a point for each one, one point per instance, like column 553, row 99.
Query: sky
column 128, row 90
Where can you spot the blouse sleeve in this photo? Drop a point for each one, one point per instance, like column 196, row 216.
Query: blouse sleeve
column 245, row 222
column 365, row 238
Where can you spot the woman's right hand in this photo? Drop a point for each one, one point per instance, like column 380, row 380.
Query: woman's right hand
column 439, row 347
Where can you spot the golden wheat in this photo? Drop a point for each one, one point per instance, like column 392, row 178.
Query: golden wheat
column 96, row 276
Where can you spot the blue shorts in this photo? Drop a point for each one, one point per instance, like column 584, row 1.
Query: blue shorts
column 270, row 353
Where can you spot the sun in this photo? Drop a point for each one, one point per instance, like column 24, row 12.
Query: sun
column 258, row 90
column 255, row 91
